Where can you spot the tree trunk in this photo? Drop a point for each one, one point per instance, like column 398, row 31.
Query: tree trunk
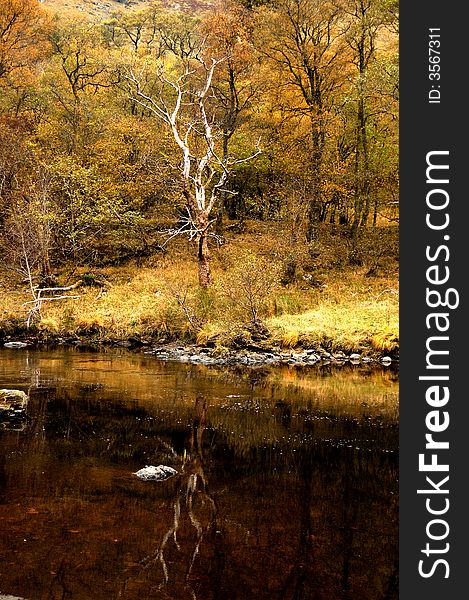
column 223, row 195
column 375, row 211
column 366, row 163
column 203, row 257
column 365, row 50
column 202, row 223
column 46, row 269
column 362, row 169
column 314, row 208
column 358, row 200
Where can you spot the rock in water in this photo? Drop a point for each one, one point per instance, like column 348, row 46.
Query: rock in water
column 13, row 400
column 159, row 473
column 13, row 405
column 15, row 345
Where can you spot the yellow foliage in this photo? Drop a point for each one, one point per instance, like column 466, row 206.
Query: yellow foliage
column 386, row 340
column 90, row 325
column 290, row 338
column 49, row 324
column 23, row 26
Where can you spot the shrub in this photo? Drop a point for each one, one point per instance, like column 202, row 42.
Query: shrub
column 249, row 285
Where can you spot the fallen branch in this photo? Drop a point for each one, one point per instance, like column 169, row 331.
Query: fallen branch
column 58, row 289
column 36, row 304
column 49, row 299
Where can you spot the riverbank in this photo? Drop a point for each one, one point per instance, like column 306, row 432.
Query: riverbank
column 252, row 355
column 354, row 332
column 266, row 299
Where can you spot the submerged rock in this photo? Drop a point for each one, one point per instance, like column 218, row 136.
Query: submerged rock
column 13, row 400
column 13, row 405
column 159, row 473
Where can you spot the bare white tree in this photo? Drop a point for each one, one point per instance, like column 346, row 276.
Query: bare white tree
column 186, row 103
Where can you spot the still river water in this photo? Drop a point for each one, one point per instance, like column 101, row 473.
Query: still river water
column 286, row 487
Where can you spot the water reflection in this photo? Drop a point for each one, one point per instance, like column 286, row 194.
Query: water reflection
column 192, row 504
column 283, row 491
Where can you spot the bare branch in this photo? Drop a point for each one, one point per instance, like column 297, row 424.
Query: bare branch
column 196, row 132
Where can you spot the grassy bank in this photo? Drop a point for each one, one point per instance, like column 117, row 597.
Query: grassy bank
column 300, row 301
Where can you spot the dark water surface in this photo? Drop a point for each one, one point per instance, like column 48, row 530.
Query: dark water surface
column 286, row 488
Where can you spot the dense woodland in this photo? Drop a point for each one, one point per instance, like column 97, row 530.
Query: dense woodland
column 138, row 134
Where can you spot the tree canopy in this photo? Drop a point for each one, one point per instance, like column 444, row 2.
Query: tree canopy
column 116, row 124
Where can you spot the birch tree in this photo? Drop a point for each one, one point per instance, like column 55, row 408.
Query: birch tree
column 181, row 95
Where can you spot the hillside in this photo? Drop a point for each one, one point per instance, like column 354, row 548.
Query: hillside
column 102, row 8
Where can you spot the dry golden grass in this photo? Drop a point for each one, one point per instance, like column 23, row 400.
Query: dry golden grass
column 135, row 302
column 342, row 309
column 353, row 312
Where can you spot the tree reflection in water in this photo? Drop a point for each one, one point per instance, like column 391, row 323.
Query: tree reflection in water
column 193, row 502
column 283, row 492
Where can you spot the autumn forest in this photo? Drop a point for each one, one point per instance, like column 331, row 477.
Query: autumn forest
column 216, row 172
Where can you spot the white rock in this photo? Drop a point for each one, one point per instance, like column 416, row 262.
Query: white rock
column 13, row 399
column 159, row 473
column 15, row 345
